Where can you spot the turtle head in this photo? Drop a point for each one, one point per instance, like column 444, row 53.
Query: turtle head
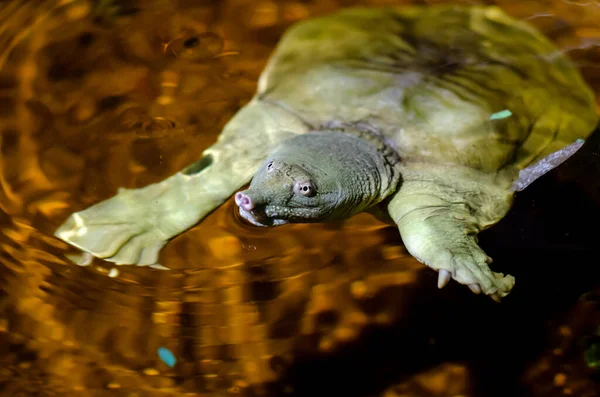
column 319, row 176
column 288, row 189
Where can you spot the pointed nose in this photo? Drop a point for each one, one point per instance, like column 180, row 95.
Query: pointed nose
column 243, row 201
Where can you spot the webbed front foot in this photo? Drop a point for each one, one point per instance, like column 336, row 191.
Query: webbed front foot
column 112, row 239
column 449, row 245
column 134, row 225
column 439, row 221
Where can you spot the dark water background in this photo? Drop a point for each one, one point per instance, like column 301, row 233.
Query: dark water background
column 97, row 95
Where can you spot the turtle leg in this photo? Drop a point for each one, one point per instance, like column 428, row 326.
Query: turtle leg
column 133, row 226
column 439, row 211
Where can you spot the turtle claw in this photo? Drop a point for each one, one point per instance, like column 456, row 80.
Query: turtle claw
column 443, row 278
column 470, row 267
column 463, row 261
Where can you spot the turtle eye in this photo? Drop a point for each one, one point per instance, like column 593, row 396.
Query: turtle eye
column 304, row 188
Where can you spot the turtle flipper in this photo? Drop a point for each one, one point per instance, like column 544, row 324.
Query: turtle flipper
column 439, row 221
column 133, row 226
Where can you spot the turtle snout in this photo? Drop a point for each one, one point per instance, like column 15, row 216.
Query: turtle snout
column 252, row 208
column 244, row 201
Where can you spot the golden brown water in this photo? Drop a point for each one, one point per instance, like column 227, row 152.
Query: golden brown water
column 97, row 95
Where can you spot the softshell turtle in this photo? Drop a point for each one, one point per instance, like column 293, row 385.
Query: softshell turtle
column 429, row 117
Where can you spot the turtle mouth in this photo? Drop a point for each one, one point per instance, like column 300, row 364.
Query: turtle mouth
column 276, row 216
column 260, row 218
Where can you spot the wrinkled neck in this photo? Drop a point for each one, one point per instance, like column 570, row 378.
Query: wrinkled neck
column 364, row 174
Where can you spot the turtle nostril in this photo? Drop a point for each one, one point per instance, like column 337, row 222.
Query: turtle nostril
column 243, row 201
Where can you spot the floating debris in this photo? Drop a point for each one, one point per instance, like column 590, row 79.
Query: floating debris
column 113, row 273
column 501, row 115
column 167, row 356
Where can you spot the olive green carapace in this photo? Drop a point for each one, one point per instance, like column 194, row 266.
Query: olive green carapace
column 434, row 115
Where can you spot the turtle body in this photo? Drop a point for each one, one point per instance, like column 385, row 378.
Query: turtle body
column 433, row 116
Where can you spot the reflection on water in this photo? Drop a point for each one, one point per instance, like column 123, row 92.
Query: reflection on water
column 97, row 95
